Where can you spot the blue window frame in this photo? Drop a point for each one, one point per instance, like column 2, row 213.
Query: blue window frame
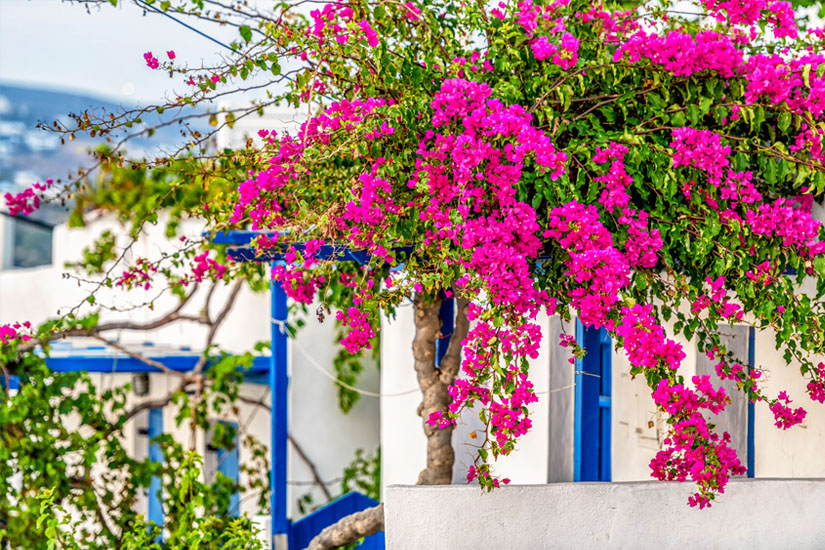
column 592, row 435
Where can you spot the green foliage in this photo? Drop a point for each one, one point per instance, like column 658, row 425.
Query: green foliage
column 64, row 467
column 363, row 474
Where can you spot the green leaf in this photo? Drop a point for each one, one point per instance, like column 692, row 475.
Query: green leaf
column 246, row 32
column 784, row 121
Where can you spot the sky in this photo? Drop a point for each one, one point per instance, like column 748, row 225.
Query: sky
column 57, row 45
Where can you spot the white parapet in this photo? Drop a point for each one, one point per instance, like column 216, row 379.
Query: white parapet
column 753, row 514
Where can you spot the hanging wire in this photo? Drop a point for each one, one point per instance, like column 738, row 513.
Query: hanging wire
column 188, row 26
column 313, row 363
column 211, row 38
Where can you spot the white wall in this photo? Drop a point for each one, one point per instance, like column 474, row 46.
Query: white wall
column 545, row 454
column 752, row 514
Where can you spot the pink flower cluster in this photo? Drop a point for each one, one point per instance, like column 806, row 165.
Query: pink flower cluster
column 816, row 387
column 700, row 149
column 642, row 245
column 615, row 25
column 783, row 220
column 674, row 399
column 566, row 55
column 365, row 214
column 784, row 415
column 530, row 15
column 27, row 201
column 335, row 21
column 597, row 269
column 694, row 452
column 205, row 267
column 360, row 330
column 782, row 80
column 644, row 340
column 761, row 273
column 508, row 418
column 139, row 274
column 683, row 54
column 717, row 296
column 703, row 149
column 151, row 60
column 617, row 180
column 810, row 140
column 737, row 12
column 10, row 333
column 779, row 14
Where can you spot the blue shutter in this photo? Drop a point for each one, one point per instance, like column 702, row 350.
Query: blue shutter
column 228, row 465
column 155, row 513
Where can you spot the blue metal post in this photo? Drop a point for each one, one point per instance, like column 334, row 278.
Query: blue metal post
column 278, row 389
column 155, row 512
column 228, row 465
column 751, row 406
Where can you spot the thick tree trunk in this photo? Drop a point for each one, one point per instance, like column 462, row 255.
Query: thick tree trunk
column 434, row 383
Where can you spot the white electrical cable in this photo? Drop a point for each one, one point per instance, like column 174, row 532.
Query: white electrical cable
column 343, row 384
column 282, row 326
column 325, row 372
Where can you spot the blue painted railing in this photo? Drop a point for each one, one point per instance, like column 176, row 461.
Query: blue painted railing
column 305, row 529
column 109, row 363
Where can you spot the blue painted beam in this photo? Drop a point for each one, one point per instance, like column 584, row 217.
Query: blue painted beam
column 124, row 364
column 327, row 252
column 278, row 384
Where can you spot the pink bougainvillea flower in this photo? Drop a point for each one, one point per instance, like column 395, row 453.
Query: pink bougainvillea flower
column 151, row 60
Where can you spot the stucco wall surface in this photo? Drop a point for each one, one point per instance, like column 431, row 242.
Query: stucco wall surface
column 752, row 514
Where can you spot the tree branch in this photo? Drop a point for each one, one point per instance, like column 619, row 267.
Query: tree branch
column 315, row 476
column 349, row 529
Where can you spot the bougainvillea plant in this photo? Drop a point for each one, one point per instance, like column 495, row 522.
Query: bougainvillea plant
column 646, row 169
column 627, row 166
